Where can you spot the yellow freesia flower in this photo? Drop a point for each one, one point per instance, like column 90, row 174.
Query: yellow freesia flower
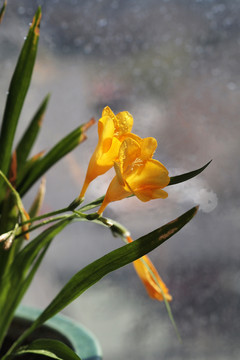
column 112, row 130
column 148, row 274
column 137, row 173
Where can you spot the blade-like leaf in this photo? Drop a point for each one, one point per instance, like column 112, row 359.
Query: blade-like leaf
column 2, row 10
column 17, row 92
column 62, row 148
column 53, row 348
column 184, row 177
column 18, row 293
column 27, row 141
column 113, row 261
column 20, row 270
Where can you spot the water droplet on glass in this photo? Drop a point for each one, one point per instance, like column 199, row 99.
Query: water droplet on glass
column 88, row 49
column 21, row 10
column 231, row 86
column 102, row 22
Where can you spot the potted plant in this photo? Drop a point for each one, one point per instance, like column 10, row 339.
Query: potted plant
column 137, row 174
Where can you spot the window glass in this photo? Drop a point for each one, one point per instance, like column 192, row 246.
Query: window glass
column 174, row 65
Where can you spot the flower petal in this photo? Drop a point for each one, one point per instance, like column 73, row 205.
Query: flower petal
column 128, row 152
column 149, row 276
column 155, row 289
column 105, row 132
column 149, row 146
column 124, row 123
column 115, row 192
column 147, row 181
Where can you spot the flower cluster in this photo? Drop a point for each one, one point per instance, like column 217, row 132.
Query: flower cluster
column 137, row 173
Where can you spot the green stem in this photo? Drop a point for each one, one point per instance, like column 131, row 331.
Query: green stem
column 37, row 218
column 45, row 222
column 70, row 207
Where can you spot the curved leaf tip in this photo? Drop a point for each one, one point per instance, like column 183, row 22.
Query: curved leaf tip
column 189, row 175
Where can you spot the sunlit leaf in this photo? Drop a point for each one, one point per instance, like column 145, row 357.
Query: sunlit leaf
column 47, row 347
column 17, row 92
column 27, row 141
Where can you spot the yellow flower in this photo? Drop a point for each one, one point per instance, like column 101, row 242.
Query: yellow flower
column 137, row 173
column 112, row 130
column 148, row 274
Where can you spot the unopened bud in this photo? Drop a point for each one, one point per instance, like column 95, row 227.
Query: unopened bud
column 4, row 236
column 8, row 243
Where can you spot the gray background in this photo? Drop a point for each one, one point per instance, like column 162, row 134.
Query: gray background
column 175, row 66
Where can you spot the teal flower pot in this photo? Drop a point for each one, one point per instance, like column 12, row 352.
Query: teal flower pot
column 62, row 328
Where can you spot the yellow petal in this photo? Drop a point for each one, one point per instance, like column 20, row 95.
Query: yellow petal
column 155, row 289
column 128, row 152
column 115, row 192
column 149, row 146
column 117, row 169
column 124, row 123
column 111, row 132
column 108, row 112
column 147, row 181
column 105, row 130
column 148, row 274
column 105, row 153
column 150, row 193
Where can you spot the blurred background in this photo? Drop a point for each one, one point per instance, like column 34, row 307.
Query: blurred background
column 175, row 66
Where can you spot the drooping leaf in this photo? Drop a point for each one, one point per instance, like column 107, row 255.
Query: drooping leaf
column 54, row 349
column 114, row 260
column 63, row 147
column 28, row 139
column 17, row 92
column 184, row 177
column 2, row 10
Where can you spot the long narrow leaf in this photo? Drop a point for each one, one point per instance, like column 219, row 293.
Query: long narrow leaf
column 19, row 292
column 62, row 148
column 27, row 141
column 113, row 261
column 2, row 10
column 17, row 92
column 19, row 271
column 184, row 177
column 54, row 349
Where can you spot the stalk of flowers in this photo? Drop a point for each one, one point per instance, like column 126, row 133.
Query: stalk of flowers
column 136, row 174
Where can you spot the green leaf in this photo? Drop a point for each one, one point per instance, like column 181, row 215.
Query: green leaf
column 184, row 177
column 20, row 270
column 2, row 11
column 28, row 139
column 63, row 147
column 17, row 92
column 114, row 260
column 55, row 349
